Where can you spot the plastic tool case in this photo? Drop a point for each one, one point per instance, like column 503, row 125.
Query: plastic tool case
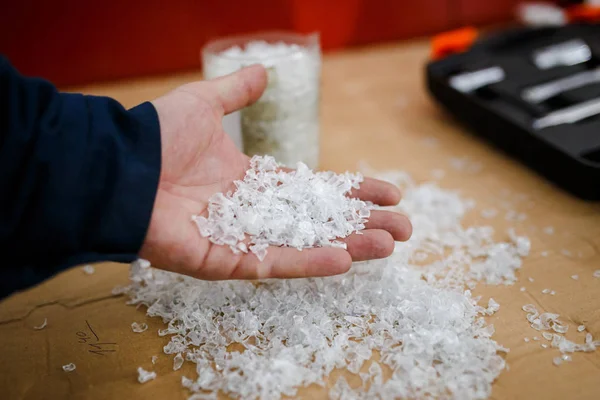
column 535, row 93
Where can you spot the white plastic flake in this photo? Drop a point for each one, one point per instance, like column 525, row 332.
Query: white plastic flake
column 420, row 316
column 581, row 328
column 492, row 307
column 489, row 213
column 139, row 328
column 145, row 376
column 88, row 269
column 154, row 359
column 557, row 361
column 42, row 326
column 549, row 230
column 69, row 367
column 575, row 277
column 596, row 273
column 298, row 209
column 177, row 362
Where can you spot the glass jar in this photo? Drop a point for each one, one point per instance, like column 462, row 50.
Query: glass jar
column 284, row 122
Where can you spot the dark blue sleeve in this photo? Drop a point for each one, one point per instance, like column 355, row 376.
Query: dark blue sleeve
column 78, row 178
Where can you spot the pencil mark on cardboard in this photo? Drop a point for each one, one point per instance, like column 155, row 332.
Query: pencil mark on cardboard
column 91, row 339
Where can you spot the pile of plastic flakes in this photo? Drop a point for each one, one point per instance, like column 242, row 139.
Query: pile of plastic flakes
column 413, row 309
column 300, row 209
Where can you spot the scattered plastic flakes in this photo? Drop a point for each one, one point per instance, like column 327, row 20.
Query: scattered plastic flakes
column 139, row 328
column 177, row 362
column 512, row 215
column 523, row 289
column 544, row 345
column 145, row 376
column 566, row 357
column 575, row 277
column 295, row 332
column 566, row 253
column 549, row 230
column 522, row 242
column 581, row 328
column 42, row 326
column 552, row 292
column 596, row 273
column 544, row 253
column 549, row 321
column 88, row 269
column 154, row 359
column 489, row 213
column 298, row 209
column 438, row 174
column 546, row 291
column 526, row 340
column 530, row 279
column 536, row 338
column 69, row 367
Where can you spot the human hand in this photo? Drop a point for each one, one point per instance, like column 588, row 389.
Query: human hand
column 199, row 160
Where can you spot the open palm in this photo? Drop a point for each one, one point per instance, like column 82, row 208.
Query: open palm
column 199, row 160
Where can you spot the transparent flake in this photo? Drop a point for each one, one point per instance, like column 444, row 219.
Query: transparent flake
column 145, row 376
column 69, row 367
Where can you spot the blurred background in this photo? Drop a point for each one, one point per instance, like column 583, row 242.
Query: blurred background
column 74, row 42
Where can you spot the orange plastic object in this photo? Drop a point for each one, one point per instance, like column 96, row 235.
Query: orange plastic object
column 452, row 42
column 583, row 13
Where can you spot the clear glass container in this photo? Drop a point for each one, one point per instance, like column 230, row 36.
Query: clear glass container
column 284, row 123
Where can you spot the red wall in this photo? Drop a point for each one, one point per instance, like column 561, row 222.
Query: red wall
column 78, row 41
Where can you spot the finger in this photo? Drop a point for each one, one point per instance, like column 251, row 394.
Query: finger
column 241, row 88
column 372, row 244
column 280, row 262
column 398, row 225
column 378, row 192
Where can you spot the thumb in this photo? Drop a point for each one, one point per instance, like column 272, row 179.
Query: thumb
column 239, row 89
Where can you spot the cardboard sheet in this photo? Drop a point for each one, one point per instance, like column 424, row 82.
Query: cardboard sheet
column 375, row 110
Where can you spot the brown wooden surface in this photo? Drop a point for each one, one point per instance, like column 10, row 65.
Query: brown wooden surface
column 374, row 109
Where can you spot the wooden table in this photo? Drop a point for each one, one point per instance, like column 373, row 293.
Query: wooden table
column 374, row 109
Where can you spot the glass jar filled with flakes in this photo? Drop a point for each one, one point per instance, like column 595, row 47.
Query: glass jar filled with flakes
column 284, row 122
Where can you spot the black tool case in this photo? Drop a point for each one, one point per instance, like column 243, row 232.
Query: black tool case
column 520, row 109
